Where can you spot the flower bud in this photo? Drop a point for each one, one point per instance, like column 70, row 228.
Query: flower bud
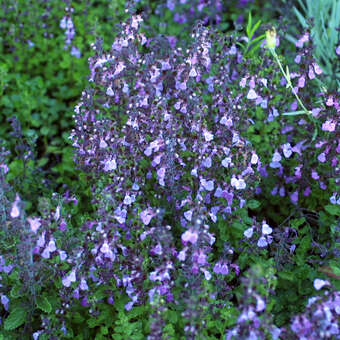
column 271, row 38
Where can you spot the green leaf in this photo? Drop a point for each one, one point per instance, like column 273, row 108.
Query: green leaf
column 248, row 28
column 289, row 276
column 15, row 292
column 15, row 319
column 256, row 26
column 295, row 223
column 253, row 204
column 333, row 209
column 44, row 304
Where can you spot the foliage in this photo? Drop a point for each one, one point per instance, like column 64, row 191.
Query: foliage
column 201, row 176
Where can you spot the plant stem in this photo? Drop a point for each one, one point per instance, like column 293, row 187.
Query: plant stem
column 288, row 81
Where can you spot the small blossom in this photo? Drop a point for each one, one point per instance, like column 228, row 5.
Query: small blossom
column 249, row 232
column 146, row 216
column 262, row 242
column 329, row 126
column 189, row 236
column 67, row 280
column 251, row 94
column 15, row 211
column 34, row 223
column 318, row 283
column 266, row 229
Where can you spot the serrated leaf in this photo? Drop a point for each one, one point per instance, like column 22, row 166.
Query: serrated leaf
column 15, row 319
column 44, row 304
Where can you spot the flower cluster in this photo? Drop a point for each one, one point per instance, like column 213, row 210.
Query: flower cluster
column 66, row 24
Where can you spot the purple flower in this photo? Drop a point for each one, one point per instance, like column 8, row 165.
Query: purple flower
column 146, row 216
column 5, row 301
column 262, row 242
column 188, row 215
column 294, row 197
column 329, row 125
column 337, row 51
column 34, row 223
column 190, row 236
column 67, row 280
column 120, row 215
column 207, row 185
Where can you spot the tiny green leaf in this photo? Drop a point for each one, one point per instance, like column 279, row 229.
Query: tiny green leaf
column 44, row 304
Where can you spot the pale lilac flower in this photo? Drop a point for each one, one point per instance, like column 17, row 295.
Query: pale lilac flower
column 83, row 284
column 146, row 216
column 249, row 232
column 4, row 167
column 207, row 162
column 287, row 150
column 105, row 249
column 226, row 162
column 51, row 246
column 57, row 213
column 190, row 236
column 120, row 215
column 75, row 52
column 34, row 223
column 208, row 136
column 41, row 240
column 188, row 215
column 294, row 197
column 266, row 229
column 182, row 254
column 102, row 144
column 193, row 73
column 254, row 158
column 46, row 253
column 322, row 157
column 110, row 164
column 207, row 185
column 15, row 211
column 5, row 301
column 227, row 122
column 67, row 280
column 318, row 284
column 262, row 242
column 337, row 51
column 207, row 274
column 62, row 255
column 243, row 82
column 317, row 69
column 329, row 125
column 251, row 94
